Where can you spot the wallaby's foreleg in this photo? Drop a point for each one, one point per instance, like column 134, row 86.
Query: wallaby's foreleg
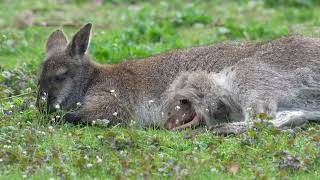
column 256, row 107
column 101, row 106
column 230, row 128
column 81, row 116
column 72, row 117
column 289, row 119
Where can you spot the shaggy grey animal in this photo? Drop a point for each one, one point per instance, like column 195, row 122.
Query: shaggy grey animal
column 229, row 101
column 132, row 89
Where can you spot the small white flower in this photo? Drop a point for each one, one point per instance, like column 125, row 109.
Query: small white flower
column 89, row 165
column 113, row 93
column 7, row 146
column 177, row 121
column 28, row 90
column 151, row 101
column 1, row 159
column 79, row 104
column 24, row 176
column 132, row 122
column 57, row 116
column 57, row 106
column 86, row 157
column 99, row 137
column 103, row 121
column 207, row 110
column 51, row 178
column 177, row 108
column 99, row 160
column 213, row 169
column 94, row 122
column 43, row 98
column 115, row 114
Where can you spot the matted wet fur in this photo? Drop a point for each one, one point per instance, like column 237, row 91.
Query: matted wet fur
column 133, row 88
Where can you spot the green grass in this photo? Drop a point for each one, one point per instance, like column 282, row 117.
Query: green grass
column 31, row 146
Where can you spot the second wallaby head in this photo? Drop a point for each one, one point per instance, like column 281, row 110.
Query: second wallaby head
column 66, row 69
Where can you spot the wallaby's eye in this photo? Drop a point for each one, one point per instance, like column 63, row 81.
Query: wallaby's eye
column 60, row 78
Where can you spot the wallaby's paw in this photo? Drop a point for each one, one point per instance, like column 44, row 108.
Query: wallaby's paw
column 288, row 119
column 230, row 128
column 71, row 117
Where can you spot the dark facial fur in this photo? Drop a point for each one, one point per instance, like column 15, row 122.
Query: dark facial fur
column 65, row 72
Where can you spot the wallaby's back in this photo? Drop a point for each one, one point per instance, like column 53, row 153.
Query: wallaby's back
column 155, row 73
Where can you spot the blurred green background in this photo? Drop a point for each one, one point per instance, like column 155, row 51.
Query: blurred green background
column 137, row 28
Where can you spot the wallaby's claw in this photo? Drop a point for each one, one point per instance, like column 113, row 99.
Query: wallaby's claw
column 71, row 117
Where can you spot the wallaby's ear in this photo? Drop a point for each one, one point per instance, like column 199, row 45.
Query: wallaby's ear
column 79, row 44
column 57, row 41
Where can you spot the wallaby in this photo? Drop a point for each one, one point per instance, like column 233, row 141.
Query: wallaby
column 195, row 98
column 240, row 93
column 133, row 89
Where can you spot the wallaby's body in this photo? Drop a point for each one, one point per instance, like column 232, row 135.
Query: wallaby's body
column 135, row 87
column 240, row 92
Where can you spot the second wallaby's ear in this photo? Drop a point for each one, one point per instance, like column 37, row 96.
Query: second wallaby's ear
column 57, row 41
column 80, row 41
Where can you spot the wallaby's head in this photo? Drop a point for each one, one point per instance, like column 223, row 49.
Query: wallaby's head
column 191, row 94
column 65, row 70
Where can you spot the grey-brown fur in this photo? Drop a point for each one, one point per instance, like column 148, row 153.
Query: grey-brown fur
column 204, row 96
column 139, row 84
column 241, row 92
